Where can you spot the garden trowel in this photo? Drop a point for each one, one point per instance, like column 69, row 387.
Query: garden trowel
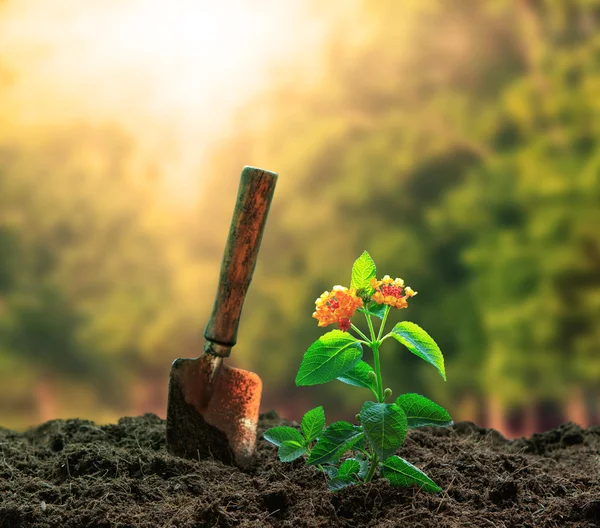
column 213, row 408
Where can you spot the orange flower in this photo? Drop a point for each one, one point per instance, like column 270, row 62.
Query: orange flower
column 391, row 292
column 337, row 306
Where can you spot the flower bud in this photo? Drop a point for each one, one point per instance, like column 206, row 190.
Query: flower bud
column 357, row 417
column 387, row 393
column 372, row 375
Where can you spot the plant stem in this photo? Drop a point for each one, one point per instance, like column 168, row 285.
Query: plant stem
column 357, row 330
column 387, row 311
column 371, row 328
column 362, row 450
column 372, row 468
column 375, row 348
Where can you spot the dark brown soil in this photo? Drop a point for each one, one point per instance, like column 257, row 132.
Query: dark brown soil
column 75, row 474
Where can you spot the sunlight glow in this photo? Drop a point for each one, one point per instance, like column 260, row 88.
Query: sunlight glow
column 171, row 73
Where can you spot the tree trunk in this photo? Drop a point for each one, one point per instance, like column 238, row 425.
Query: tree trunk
column 45, row 398
column 577, row 411
column 467, row 409
column 594, row 406
column 530, row 422
column 496, row 416
column 149, row 393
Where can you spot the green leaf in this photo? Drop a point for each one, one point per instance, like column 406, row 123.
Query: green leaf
column 385, row 427
column 313, row 423
column 349, row 467
column 334, row 442
column 421, row 411
column 338, row 483
column 330, row 356
column 364, row 465
column 419, row 343
column 330, row 470
column 363, row 270
column 278, row 435
column 358, row 376
column 291, row 450
column 378, row 310
column 402, row 473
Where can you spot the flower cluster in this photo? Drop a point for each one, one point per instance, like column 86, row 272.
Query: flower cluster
column 337, row 306
column 391, row 292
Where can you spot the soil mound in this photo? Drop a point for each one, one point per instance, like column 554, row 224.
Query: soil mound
column 74, row 474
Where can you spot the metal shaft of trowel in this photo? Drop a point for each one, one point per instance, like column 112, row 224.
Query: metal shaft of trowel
column 239, row 260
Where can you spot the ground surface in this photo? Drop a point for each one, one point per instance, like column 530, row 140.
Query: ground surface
column 74, row 474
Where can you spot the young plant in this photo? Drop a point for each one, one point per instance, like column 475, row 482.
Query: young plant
column 337, row 355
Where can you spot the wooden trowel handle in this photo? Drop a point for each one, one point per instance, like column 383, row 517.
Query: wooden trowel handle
column 239, row 259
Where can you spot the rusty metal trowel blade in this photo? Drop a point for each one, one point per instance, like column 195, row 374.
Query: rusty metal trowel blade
column 220, row 425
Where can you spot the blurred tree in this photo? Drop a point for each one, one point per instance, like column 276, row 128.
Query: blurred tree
column 535, row 204
column 89, row 275
column 458, row 145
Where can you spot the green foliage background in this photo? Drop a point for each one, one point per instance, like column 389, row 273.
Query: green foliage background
column 457, row 142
